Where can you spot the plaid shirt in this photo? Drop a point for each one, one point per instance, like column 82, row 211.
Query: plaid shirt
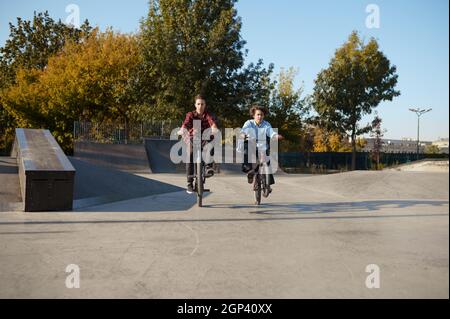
column 208, row 120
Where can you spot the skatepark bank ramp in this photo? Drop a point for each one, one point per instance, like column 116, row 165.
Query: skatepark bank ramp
column 153, row 156
column 95, row 185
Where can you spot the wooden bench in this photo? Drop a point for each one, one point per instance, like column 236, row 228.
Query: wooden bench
column 45, row 173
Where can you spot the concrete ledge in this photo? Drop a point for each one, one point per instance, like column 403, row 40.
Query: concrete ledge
column 46, row 176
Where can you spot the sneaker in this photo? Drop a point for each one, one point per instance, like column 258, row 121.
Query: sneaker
column 250, row 176
column 190, row 188
column 246, row 168
column 267, row 191
column 209, row 171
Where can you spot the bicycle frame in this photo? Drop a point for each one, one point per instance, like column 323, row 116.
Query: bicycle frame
column 199, row 173
column 260, row 179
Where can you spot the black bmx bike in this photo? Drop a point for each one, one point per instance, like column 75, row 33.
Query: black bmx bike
column 199, row 177
column 261, row 176
column 261, row 185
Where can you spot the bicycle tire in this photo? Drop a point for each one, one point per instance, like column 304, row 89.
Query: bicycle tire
column 199, row 184
column 265, row 189
column 257, row 191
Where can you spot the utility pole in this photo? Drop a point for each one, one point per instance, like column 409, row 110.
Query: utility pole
column 419, row 112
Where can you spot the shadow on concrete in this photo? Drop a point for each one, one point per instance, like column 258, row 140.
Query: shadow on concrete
column 337, row 207
column 96, row 185
column 8, row 166
column 270, row 212
column 56, row 222
column 171, row 202
column 34, row 232
column 10, row 197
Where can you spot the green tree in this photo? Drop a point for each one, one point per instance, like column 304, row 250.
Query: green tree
column 288, row 110
column 253, row 86
column 358, row 78
column 194, row 46
column 432, row 149
column 90, row 80
column 31, row 43
column 377, row 133
column 29, row 46
column 330, row 141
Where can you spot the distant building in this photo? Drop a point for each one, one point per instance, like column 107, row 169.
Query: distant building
column 442, row 144
column 405, row 145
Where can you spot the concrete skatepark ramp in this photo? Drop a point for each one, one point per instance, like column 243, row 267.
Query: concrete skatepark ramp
column 328, row 226
column 10, row 198
column 426, row 165
column 158, row 154
column 39, row 177
column 151, row 157
column 124, row 157
column 142, row 236
column 95, row 185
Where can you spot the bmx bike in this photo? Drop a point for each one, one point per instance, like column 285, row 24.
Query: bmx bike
column 199, row 176
column 261, row 181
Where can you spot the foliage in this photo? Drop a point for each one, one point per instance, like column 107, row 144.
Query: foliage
column 432, row 149
column 91, row 80
column 29, row 46
column 288, row 110
column 377, row 133
column 358, row 78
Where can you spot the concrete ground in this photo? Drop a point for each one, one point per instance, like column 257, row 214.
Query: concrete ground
column 312, row 238
column 424, row 166
column 10, row 199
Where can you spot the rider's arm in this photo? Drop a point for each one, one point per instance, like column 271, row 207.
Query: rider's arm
column 214, row 128
column 271, row 133
column 212, row 123
column 186, row 126
column 188, row 121
column 246, row 129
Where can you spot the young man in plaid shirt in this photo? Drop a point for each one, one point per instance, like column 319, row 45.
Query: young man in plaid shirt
column 208, row 120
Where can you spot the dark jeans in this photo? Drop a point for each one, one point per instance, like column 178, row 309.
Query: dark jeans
column 247, row 167
column 190, row 165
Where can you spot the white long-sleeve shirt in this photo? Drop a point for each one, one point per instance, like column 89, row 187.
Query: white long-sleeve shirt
column 258, row 132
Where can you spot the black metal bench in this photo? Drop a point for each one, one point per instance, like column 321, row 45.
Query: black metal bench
column 45, row 173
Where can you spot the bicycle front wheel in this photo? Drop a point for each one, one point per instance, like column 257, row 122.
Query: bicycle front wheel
column 257, row 190
column 199, row 184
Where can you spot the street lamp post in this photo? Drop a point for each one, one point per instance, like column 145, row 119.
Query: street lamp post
column 419, row 113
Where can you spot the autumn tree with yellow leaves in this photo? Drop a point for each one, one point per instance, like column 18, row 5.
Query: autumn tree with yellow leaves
column 93, row 80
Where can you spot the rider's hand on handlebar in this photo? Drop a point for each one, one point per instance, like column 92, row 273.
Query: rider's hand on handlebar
column 248, row 137
column 184, row 135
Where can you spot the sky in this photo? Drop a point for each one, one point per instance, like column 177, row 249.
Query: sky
column 304, row 34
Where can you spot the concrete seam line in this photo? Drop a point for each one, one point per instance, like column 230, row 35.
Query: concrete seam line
column 197, row 240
